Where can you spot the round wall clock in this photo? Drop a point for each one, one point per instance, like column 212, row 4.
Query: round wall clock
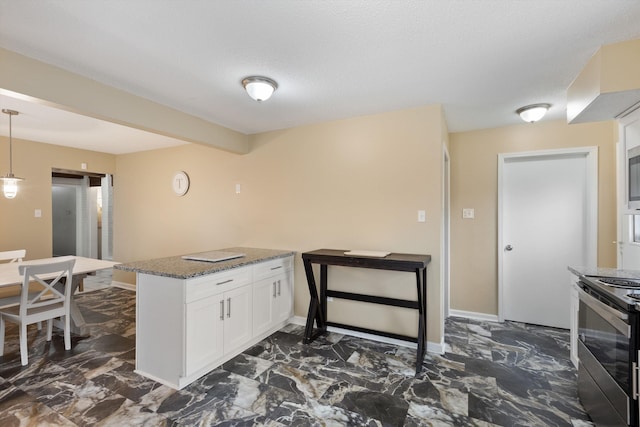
column 180, row 183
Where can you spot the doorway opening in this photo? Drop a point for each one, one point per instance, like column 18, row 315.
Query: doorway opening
column 82, row 212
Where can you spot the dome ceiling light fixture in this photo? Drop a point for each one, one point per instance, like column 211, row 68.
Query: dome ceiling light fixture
column 10, row 181
column 259, row 88
column 534, row 112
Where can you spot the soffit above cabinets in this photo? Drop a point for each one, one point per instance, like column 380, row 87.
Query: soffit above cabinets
column 609, row 85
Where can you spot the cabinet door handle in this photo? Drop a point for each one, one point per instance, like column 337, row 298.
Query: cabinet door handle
column 221, row 309
column 226, row 281
column 279, row 290
column 275, row 268
column 228, row 307
column 274, row 289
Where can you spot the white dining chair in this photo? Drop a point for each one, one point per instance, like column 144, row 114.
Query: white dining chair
column 9, row 257
column 13, row 256
column 50, row 303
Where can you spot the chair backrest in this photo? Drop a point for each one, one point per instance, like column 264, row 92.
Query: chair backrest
column 48, row 276
column 13, row 256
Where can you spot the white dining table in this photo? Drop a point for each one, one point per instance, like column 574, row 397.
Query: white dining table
column 9, row 276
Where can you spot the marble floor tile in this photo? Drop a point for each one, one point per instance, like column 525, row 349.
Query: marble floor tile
column 492, row 374
column 19, row 408
column 247, row 365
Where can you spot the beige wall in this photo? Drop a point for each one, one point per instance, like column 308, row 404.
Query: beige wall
column 474, row 184
column 355, row 183
column 151, row 221
column 19, row 229
column 348, row 184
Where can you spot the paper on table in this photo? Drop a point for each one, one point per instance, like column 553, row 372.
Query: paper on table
column 373, row 254
column 212, row 256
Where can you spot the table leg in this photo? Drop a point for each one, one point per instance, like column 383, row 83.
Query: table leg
column 315, row 309
column 78, row 324
column 424, row 297
column 323, row 291
column 421, row 323
column 308, row 329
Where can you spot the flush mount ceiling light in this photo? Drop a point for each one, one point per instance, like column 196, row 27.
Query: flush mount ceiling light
column 10, row 181
column 533, row 113
column 259, row 88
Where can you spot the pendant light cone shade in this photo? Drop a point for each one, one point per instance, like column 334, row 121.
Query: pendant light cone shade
column 533, row 113
column 259, row 88
column 10, row 181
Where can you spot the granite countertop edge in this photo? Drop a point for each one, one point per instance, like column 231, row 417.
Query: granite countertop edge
column 178, row 268
column 604, row 272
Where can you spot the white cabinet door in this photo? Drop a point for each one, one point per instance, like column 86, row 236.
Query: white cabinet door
column 284, row 295
column 264, row 295
column 272, row 299
column 238, row 320
column 204, row 333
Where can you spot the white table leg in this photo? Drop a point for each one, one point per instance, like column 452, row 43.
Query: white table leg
column 78, row 324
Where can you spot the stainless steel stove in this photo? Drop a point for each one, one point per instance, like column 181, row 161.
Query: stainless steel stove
column 621, row 291
column 608, row 344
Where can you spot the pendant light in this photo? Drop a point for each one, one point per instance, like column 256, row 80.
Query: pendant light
column 10, row 181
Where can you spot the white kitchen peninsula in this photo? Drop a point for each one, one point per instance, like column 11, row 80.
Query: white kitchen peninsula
column 192, row 316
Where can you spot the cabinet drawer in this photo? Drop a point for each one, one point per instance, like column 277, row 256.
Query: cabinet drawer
column 272, row 268
column 202, row 287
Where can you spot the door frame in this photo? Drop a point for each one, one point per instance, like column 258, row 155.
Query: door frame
column 445, row 244
column 591, row 213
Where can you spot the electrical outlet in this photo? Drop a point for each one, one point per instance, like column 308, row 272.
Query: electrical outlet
column 468, row 213
column 37, row 213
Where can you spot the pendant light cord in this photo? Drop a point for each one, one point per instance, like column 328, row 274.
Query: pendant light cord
column 10, row 113
column 10, row 147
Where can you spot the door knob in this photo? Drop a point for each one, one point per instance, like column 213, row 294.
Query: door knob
column 508, row 248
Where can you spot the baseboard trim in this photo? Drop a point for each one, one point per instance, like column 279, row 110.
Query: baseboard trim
column 474, row 315
column 432, row 347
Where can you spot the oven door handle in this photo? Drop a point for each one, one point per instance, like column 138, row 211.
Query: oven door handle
column 616, row 318
column 634, row 380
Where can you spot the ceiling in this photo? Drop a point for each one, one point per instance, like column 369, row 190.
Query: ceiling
column 332, row 59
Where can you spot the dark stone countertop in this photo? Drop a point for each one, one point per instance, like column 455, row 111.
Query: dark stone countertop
column 179, row 268
column 605, row 272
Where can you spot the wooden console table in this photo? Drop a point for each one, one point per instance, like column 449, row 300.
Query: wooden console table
column 396, row 262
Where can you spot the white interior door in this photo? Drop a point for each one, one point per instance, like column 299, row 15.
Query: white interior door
column 546, row 215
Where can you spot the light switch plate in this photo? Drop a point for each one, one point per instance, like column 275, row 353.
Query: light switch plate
column 37, row 213
column 468, row 213
column 422, row 216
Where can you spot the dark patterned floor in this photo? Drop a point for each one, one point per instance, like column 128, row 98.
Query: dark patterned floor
column 506, row 374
